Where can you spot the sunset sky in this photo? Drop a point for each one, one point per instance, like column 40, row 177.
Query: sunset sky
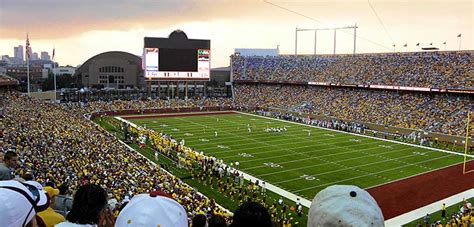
column 80, row 29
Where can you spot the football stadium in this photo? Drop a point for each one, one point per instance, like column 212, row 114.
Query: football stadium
column 340, row 126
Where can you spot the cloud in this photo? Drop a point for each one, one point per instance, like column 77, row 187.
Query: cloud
column 62, row 18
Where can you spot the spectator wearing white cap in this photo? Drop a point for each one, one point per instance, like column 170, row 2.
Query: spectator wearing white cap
column 344, row 205
column 154, row 209
column 20, row 202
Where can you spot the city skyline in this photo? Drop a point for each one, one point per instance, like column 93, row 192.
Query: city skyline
column 233, row 24
column 19, row 53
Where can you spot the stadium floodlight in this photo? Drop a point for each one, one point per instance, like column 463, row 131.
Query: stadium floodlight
column 323, row 29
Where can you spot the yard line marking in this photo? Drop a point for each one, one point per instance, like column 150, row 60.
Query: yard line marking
column 387, row 159
column 353, row 178
column 280, row 149
column 307, row 152
column 328, row 162
column 355, row 134
column 385, row 146
column 246, row 139
column 347, row 167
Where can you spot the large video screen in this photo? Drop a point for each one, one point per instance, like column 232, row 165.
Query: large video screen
column 178, row 60
column 182, row 64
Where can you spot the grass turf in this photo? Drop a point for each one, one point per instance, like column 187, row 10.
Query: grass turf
column 303, row 160
column 222, row 199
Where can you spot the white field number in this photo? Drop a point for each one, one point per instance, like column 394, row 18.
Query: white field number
column 419, row 153
column 273, row 165
column 308, row 177
column 245, row 155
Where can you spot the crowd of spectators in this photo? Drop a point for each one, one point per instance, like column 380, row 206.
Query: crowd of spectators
column 420, row 69
column 46, row 146
column 444, row 113
column 57, row 147
column 99, row 106
column 51, row 144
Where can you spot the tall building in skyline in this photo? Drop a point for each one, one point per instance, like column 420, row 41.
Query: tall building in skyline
column 34, row 56
column 45, row 56
column 18, row 53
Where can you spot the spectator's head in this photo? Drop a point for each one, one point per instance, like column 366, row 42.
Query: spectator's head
column 152, row 210
column 199, row 220
column 50, row 184
column 28, row 176
column 251, row 214
column 63, row 189
column 11, row 159
column 217, row 221
column 52, row 192
column 344, row 205
column 19, row 202
column 89, row 202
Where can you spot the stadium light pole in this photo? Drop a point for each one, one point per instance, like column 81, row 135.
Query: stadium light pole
column 334, row 51
column 460, row 37
column 315, row 40
column 355, row 38
column 296, row 41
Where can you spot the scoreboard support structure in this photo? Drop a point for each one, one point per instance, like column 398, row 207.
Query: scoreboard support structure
column 180, row 89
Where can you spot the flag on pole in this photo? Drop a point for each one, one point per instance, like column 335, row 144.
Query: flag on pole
column 27, row 47
column 459, row 35
column 53, row 54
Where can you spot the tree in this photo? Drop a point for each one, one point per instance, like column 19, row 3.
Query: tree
column 62, row 81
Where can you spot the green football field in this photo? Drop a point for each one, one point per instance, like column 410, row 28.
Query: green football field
column 303, row 159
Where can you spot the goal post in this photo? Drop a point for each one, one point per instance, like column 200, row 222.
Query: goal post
column 466, row 146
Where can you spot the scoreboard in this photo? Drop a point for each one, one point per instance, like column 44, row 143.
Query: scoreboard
column 176, row 58
column 177, row 63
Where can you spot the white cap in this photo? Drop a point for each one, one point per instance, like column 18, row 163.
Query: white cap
column 16, row 209
column 43, row 195
column 344, row 205
column 152, row 210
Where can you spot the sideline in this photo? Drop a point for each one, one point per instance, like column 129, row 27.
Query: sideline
column 154, row 164
column 428, row 209
column 273, row 188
